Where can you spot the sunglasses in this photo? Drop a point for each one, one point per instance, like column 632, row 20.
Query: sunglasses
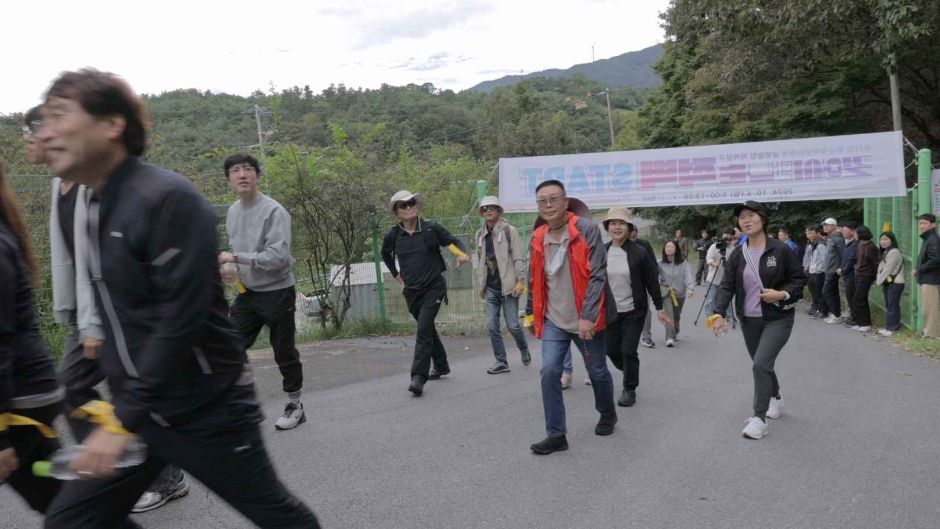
column 406, row 205
column 489, row 208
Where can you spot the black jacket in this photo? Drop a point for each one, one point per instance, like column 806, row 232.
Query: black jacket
column 419, row 253
column 644, row 275
column 27, row 371
column 779, row 269
column 928, row 262
column 169, row 347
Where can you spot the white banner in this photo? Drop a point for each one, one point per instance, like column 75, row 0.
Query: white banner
column 835, row 167
column 935, row 191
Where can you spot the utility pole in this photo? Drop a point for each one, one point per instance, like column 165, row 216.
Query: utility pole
column 592, row 51
column 610, row 119
column 260, row 135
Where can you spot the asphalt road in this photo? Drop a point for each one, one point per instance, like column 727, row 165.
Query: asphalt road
column 858, row 445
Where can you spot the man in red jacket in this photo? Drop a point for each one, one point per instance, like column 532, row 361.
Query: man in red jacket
column 569, row 300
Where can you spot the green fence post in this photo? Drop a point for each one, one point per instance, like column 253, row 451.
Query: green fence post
column 924, row 204
column 377, row 259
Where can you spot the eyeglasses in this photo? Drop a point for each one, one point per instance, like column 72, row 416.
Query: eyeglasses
column 554, row 201
column 406, row 205
column 489, row 208
column 32, row 128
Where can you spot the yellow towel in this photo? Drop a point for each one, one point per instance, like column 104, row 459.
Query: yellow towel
column 10, row 419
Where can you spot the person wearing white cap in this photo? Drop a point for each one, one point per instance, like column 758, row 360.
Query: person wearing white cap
column 416, row 244
column 835, row 247
column 500, row 280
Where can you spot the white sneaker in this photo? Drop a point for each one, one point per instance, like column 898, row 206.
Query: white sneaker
column 670, row 342
column 854, row 327
column 755, row 429
column 773, row 412
column 587, row 381
column 864, row 328
column 565, row 380
column 885, row 332
column 832, row 319
column 293, row 415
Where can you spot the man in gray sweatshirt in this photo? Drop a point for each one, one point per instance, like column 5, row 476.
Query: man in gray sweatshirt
column 259, row 234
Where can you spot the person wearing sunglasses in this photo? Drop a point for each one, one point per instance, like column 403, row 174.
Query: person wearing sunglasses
column 416, row 245
column 500, row 259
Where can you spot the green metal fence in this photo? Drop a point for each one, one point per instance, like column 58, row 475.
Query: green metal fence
column 899, row 215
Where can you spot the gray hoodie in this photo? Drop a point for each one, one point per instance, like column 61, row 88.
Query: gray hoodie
column 260, row 238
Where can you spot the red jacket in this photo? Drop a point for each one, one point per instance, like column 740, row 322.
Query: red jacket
column 587, row 259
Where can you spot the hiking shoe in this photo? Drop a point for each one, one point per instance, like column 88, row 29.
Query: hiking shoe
column 776, row 405
column 627, row 398
column 755, row 429
column 605, row 426
column 154, row 499
column 438, row 373
column 863, row 328
column 293, row 415
column 816, row 315
column 587, row 380
column 549, row 445
column 832, row 319
column 565, row 380
column 417, row 385
column 497, row 367
column 647, row 342
column 526, row 357
column 670, row 342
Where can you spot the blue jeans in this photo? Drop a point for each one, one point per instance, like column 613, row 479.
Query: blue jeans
column 555, row 344
column 893, row 293
column 510, row 307
column 710, row 303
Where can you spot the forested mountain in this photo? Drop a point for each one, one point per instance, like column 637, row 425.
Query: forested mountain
column 634, row 69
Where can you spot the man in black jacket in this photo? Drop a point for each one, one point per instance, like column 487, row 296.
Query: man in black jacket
column 928, row 274
column 178, row 375
column 701, row 246
column 416, row 244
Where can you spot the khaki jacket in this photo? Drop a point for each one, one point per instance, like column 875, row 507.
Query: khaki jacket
column 510, row 257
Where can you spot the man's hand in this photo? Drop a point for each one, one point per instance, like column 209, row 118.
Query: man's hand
column 689, row 295
column 586, row 329
column 665, row 320
column 102, row 450
column 400, row 280
column 770, row 295
column 719, row 326
column 461, row 259
column 8, row 463
column 226, row 257
column 91, row 347
column 517, row 290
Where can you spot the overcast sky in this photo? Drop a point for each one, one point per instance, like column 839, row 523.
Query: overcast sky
column 238, row 46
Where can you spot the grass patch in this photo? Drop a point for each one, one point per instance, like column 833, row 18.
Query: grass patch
column 916, row 343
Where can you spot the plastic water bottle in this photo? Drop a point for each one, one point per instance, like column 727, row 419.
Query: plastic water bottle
column 58, row 465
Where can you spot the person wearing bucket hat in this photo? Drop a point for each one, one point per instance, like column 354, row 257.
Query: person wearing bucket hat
column 766, row 280
column 500, row 260
column 634, row 280
column 569, row 300
column 415, row 243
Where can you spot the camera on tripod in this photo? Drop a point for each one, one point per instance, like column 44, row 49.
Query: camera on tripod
column 722, row 243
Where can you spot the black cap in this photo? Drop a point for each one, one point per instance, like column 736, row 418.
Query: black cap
column 752, row 205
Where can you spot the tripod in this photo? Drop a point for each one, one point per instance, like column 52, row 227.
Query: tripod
column 732, row 320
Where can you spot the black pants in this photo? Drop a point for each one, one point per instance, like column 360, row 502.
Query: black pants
column 423, row 306
column 764, row 340
column 848, row 281
column 31, row 446
column 79, row 376
column 700, row 272
column 831, row 294
column 816, row 282
column 623, row 337
column 861, row 310
column 892, row 292
column 222, row 448
column 253, row 310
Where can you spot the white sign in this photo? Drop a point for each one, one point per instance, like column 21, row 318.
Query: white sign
column 835, row 167
column 935, row 191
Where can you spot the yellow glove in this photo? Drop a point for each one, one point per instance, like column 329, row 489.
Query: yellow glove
column 102, row 413
column 710, row 321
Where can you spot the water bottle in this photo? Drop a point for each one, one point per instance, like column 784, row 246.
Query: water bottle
column 58, row 465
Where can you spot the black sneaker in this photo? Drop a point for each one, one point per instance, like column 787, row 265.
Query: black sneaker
column 627, row 398
column 549, row 445
column 526, row 357
column 438, row 373
column 606, row 425
column 498, row 367
column 417, row 385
